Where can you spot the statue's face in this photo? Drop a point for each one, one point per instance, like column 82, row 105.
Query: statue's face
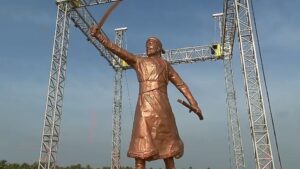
column 153, row 47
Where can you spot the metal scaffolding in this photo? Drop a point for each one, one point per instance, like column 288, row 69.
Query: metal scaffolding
column 236, row 19
column 83, row 20
column 227, row 34
column 233, row 117
column 117, row 105
column 53, row 112
column 257, row 115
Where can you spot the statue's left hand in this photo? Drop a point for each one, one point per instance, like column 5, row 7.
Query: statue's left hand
column 197, row 111
column 94, row 31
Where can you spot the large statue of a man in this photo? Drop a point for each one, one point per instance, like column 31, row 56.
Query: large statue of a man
column 154, row 133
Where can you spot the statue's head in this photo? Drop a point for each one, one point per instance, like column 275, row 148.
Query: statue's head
column 154, row 47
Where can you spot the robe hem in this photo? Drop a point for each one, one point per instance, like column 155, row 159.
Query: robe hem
column 149, row 156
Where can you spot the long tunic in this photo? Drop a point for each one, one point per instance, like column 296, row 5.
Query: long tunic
column 154, row 132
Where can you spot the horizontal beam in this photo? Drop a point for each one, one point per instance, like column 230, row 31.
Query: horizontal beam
column 85, row 3
column 97, row 2
column 186, row 55
column 189, row 55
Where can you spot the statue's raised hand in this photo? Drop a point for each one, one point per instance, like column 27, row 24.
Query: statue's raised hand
column 94, row 31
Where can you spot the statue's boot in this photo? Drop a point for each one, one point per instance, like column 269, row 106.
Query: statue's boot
column 140, row 164
column 169, row 162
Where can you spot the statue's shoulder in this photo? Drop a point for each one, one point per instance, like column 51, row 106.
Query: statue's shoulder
column 143, row 59
column 153, row 60
column 166, row 62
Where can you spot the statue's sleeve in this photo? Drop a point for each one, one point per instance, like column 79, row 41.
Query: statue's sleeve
column 130, row 58
column 181, row 86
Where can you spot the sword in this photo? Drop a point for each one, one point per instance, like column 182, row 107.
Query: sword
column 199, row 114
column 107, row 13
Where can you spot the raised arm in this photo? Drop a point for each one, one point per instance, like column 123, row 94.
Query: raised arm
column 183, row 88
column 121, row 53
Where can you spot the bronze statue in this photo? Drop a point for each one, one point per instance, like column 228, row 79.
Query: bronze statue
column 154, row 133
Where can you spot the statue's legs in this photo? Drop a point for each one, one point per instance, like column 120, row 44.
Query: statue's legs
column 140, row 164
column 169, row 162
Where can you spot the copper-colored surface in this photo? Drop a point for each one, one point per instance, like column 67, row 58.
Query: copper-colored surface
column 154, row 133
column 107, row 13
column 199, row 114
column 140, row 164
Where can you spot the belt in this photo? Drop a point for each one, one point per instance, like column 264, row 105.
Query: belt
column 146, row 86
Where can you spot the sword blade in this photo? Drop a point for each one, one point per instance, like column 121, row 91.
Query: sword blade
column 107, row 13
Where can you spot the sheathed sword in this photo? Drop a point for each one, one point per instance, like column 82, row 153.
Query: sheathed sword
column 199, row 114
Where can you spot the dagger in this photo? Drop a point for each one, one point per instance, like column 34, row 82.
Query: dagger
column 199, row 114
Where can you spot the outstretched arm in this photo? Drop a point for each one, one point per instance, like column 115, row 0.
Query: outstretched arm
column 121, row 53
column 184, row 89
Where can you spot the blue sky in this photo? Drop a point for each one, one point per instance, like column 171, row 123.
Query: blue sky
column 27, row 31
